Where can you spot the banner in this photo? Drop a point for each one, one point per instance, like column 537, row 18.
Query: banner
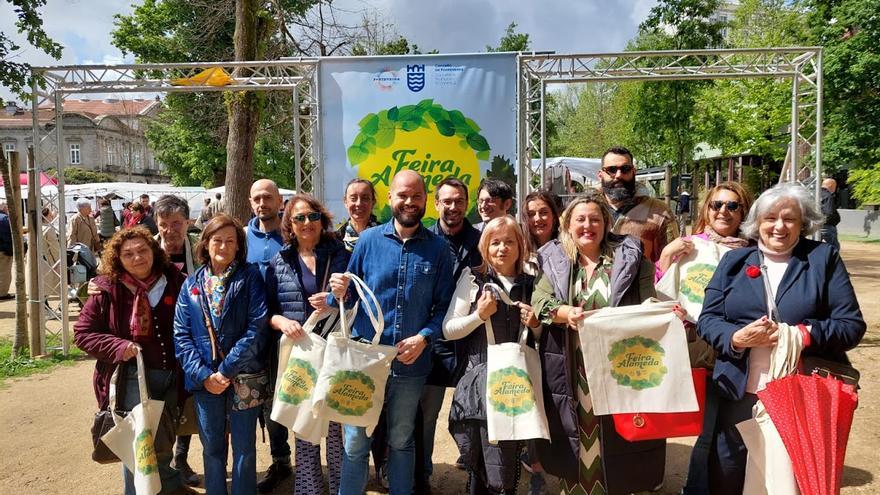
column 440, row 115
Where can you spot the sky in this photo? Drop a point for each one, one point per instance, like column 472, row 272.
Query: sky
column 83, row 27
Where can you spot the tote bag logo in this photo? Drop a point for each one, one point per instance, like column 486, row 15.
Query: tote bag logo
column 510, row 391
column 415, row 77
column 637, row 362
column 145, row 454
column 298, row 381
column 695, row 281
column 351, row 393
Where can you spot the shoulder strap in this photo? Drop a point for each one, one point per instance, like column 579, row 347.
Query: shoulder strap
column 215, row 345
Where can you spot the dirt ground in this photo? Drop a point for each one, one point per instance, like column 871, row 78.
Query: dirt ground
column 45, row 420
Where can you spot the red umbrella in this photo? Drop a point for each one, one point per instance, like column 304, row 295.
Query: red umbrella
column 813, row 415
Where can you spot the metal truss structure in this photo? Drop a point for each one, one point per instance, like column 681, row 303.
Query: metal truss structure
column 298, row 75
column 803, row 66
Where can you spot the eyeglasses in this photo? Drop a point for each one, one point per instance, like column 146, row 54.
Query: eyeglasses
column 301, row 218
column 731, row 205
column 487, row 201
column 611, row 170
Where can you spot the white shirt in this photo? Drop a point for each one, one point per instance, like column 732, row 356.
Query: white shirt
column 759, row 357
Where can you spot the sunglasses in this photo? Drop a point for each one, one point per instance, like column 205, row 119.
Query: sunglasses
column 301, row 218
column 614, row 168
column 731, row 205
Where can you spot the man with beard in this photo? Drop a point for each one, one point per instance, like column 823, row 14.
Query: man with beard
column 264, row 241
column 451, row 201
column 417, row 263
column 494, row 199
column 646, row 218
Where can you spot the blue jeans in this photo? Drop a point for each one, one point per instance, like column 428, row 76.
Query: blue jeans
column 212, row 411
column 432, row 401
column 161, row 385
column 402, row 394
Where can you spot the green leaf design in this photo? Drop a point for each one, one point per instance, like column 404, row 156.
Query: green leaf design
column 378, row 130
column 642, row 380
column 504, row 375
column 478, row 142
column 446, row 128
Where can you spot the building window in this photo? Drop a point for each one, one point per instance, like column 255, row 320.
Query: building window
column 8, row 148
column 111, row 154
column 137, row 158
column 74, row 154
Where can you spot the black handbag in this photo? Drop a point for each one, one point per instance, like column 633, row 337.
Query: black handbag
column 102, row 423
column 825, row 367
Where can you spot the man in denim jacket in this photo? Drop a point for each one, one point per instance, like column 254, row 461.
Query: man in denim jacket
column 409, row 269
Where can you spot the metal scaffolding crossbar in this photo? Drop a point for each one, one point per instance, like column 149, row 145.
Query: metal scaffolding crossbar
column 802, row 65
column 300, row 76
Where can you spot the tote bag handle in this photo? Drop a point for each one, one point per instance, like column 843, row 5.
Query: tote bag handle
column 376, row 318
column 505, row 298
column 142, row 385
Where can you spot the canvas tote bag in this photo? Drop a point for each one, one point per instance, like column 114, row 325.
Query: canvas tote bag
column 768, row 465
column 351, row 384
column 514, row 395
column 636, row 360
column 686, row 279
column 132, row 437
column 299, row 362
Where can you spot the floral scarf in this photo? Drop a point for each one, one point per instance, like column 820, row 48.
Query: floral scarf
column 215, row 288
column 350, row 236
column 141, row 320
column 731, row 242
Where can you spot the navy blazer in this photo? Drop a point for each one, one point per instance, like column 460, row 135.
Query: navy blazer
column 815, row 290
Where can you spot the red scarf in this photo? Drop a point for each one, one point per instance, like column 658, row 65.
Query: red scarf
column 141, row 320
column 133, row 219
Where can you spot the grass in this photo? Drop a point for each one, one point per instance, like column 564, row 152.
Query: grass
column 858, row 238
column 24, row 366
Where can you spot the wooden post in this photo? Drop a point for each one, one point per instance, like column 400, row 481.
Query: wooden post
column 34, row 208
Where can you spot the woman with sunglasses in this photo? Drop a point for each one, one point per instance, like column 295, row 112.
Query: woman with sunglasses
column 296, row 281
column 720, row 217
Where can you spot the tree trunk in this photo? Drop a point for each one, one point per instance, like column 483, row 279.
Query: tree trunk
column 244, row 117
column 12, row 186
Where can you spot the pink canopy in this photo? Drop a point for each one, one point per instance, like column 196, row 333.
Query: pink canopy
column 45, row 180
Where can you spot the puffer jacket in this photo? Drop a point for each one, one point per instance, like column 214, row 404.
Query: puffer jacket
column 285, row 295
column 241, row 333
column 628, row 466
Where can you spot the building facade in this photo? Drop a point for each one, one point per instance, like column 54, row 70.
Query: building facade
column 99, row 135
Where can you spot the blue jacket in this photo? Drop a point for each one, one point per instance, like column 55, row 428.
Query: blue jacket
column 815, row 290
column 412, row 282
column 284, row 291
column 262, row 246
column 241, row 332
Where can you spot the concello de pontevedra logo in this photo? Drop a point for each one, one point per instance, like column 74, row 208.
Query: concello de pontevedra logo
column 415, row 77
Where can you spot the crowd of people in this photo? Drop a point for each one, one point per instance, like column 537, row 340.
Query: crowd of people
column 207, row 311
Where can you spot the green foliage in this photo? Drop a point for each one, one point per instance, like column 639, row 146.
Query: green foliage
column 511, row 41
column 849, row 30
column 77, row 175
column 23, row 366
column 590, row 118
column 378, row 130
column 398, row 46
column 662, row 111
column 17, row 75
column 865, row 184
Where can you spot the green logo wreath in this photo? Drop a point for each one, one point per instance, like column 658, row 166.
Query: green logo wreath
column 695, row 281
column 298, row 382
column 351, row 392
column 637, row 370
column 510, row 391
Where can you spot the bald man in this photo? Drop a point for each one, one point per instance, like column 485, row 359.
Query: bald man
column 828, row 232
column 409, row 269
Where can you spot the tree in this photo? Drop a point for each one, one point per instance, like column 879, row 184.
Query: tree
column 588, row 119
column 662, row 111
column 511, row 41
column 16, row 75
column 12, row 189
column 850, row 32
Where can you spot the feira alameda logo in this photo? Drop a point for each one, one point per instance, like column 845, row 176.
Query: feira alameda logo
column 298, row 382
column 695, row 281
column 637, row 362
column 426, row 137
column 415, row 77
column 510, row 391
column 145, row 453
column 351, row 392
column 386, row 79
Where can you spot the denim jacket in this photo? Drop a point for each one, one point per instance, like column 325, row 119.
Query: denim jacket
column 241, row 332
column 413, row 283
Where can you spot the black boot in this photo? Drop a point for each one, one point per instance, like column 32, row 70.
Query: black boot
column 276, row 473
